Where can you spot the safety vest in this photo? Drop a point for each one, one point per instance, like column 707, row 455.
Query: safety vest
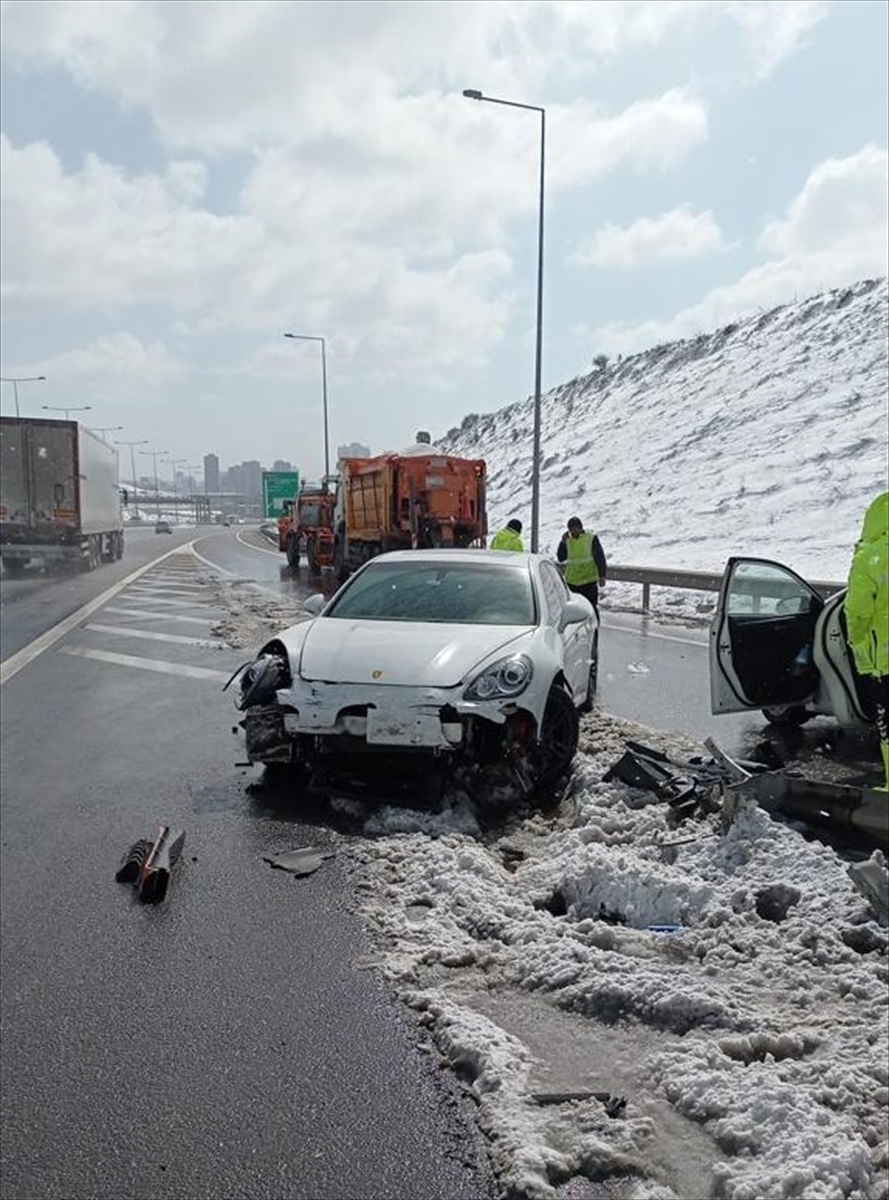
column 867, row 597
column 580, row 566
column 507, row 539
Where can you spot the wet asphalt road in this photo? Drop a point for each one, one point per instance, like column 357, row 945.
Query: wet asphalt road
column 228, row 1042
column 224, row 1043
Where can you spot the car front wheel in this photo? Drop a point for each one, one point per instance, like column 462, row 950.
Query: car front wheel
column 786, row 714
column 557, row 741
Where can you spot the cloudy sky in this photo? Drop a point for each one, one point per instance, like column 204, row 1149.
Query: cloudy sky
column 182, row 183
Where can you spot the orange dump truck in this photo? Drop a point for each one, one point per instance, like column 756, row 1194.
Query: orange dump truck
column 417, row 498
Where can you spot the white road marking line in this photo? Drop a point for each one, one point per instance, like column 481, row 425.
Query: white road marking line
column 161, row 603
column 144, row 615
column 18, row 661
column 152, row 585
column 145, row 664
column 168, row 591
column 261, row 549
column 180, row 639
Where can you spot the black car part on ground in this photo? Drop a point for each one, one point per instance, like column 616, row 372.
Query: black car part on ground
column 147, row 865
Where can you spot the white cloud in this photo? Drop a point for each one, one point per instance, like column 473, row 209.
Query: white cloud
column 679, row 233
column 843, row 203
column 774, row 30
column 114, row 369
column 228, row 75
column 835, row 231
column 97, row 237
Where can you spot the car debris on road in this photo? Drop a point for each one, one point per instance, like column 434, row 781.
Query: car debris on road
column 148, row 865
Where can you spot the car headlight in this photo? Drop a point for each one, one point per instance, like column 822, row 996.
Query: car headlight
column 504, row 678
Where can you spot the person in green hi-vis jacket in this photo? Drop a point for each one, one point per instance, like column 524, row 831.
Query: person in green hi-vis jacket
column 867, row 615
column 509, row 538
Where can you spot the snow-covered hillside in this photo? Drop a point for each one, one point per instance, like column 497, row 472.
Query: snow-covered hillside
column 767, row 437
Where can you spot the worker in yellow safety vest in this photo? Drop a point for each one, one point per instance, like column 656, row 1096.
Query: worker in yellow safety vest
column 584, row 559
column 509, row 538
column 867, row 615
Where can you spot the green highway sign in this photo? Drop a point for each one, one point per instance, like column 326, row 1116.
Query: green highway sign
column 278, row 486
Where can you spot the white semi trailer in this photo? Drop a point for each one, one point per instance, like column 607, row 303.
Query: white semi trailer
column 60, row 495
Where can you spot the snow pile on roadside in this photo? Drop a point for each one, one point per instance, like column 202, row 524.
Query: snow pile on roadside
column 756, row 1027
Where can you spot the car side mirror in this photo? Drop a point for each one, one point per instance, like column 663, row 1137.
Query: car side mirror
column 315, row 603
column 575, row 610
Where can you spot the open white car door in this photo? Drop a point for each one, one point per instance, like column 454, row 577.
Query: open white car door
column 762, row 638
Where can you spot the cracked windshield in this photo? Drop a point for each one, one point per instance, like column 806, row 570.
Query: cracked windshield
column 444, row 517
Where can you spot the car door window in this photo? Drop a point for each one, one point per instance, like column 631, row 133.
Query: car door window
column 555, row 593
column 771, row 618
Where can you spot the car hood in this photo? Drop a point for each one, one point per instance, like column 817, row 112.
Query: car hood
column 399, row 652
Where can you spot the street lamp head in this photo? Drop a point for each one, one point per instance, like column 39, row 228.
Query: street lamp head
column 472, row 94
column 41, row 379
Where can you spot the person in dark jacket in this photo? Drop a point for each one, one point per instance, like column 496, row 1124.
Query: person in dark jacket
column 584, row 559
column 509, row 538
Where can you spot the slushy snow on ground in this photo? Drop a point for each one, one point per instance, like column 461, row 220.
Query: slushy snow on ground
column 750, row 1045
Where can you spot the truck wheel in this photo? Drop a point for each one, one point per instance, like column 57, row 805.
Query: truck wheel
column 340, row 565
column 293, row 552
column 15, row 567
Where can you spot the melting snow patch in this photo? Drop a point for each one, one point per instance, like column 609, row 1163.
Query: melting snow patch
column 751, row 1045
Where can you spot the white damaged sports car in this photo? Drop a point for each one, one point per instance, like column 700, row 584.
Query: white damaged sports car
column 476, row 662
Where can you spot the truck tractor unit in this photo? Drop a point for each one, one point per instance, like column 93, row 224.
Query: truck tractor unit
column 307, row 523
column 60, row 495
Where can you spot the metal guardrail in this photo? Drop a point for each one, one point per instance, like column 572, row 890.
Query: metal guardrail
column 649, row 577
column 699, row 581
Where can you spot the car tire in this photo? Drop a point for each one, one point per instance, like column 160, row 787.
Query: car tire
column 558, row 737
column 786, row 715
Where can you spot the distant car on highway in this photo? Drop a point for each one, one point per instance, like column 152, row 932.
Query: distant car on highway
column 778, row 645
column 472, row 660
column 162, row 527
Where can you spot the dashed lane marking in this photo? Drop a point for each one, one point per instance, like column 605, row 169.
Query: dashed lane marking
column 144, row 614
column 178, row 589
column 148, row 635
column 161, row 603
column 146, row 664
column 21, row 659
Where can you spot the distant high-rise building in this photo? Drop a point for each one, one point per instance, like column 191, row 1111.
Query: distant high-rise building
column 211, row 473
column 252, row 479
column 353, row 450
column 281, row 464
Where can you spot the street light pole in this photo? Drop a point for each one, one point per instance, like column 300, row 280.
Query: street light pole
column 304, row 337
column 174, row 463
column 155, row 455
column 15, row 380
column 141, row 442
column 103, row 429
column 67, row 411
column 473, row 94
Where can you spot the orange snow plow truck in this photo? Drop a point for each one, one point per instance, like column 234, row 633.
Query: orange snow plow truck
column 308, row 522
column 416, row 498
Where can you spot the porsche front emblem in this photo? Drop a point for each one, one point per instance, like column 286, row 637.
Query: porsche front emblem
column 376, row 674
